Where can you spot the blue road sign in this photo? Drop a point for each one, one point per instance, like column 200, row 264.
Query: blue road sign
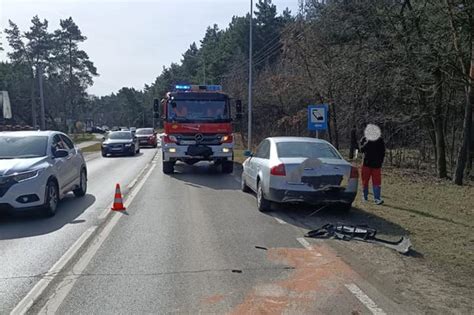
column 318, row 117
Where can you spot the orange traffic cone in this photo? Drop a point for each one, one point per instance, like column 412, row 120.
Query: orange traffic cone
column 118, row 201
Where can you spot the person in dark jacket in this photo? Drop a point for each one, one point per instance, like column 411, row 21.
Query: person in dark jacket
column 373, row 148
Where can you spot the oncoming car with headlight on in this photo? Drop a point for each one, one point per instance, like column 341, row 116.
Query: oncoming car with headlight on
column 37, row 169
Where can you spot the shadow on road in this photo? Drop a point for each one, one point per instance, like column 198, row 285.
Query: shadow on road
column 33, row 223
column 304, row 216
column 205, row 175
column 116, row 156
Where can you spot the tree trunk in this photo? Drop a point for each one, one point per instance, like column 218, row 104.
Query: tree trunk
column 439, row 128
column 467, row 125
column 466, row 137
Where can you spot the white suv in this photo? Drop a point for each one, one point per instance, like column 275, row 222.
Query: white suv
column 37, row 168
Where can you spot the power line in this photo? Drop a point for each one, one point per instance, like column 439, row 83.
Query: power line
column 263, row 51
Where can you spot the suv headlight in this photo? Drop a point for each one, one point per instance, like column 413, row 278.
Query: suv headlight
column 25, row 176
column 128, row 145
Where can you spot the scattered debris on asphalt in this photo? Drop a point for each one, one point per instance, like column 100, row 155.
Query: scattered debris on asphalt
column 359, row 233
column 261, row 247
column 236, row 271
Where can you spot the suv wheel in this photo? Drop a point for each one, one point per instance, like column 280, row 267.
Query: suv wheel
column 81, row 191
column 51, row 199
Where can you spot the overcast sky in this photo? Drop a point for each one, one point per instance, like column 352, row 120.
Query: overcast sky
column 130, row 41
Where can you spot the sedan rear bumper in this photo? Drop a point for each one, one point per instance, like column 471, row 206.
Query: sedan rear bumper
column 124, row 150
column 311, row 197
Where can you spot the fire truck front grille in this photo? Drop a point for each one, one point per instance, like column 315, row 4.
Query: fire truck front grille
column 206, row 139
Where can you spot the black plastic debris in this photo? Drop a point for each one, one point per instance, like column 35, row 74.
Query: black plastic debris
column 236, row 271
column 359, row 233
column 261, row 247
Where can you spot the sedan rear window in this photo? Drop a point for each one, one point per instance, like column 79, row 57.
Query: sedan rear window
column 306, row 149
column 14, row 147
column 147, row 131
column 120, row 135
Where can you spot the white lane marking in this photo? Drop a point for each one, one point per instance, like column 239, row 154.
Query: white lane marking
column 23, row 306
column 104, row 213
column 107, row 210
column 364, row 299
column 63, row 288
column 279, row 220
column 135, row 180
column 307, row 245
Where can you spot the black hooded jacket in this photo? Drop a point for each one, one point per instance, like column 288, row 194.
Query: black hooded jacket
column 374, row 152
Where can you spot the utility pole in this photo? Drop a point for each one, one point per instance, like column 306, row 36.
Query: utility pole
column 42, row 114
column 249, row 136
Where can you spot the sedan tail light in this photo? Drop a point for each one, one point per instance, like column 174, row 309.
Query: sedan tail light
column 278, row 170
column 354, row 172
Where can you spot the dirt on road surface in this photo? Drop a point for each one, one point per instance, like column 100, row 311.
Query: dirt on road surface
column 438, row 273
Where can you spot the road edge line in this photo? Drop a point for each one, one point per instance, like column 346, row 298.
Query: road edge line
column 65, row 285
column 24, row 305
column 40, row 287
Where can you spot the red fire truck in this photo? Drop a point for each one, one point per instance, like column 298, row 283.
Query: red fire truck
column 197, row 126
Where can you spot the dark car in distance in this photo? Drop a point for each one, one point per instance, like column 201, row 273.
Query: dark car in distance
column 147, row 137
column 120, row 143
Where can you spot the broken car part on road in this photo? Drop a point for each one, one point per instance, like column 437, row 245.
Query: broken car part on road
column 359, row 233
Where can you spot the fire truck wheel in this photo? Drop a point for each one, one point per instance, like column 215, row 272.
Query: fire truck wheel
column 168, row 167
column 227, row 167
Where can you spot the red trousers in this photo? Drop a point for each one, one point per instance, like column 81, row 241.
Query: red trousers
column 374, row 173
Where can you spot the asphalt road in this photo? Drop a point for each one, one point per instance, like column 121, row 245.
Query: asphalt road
column 194, row 243
column 30, row 244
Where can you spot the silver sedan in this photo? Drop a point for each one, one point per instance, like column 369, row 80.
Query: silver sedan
column 298, row 169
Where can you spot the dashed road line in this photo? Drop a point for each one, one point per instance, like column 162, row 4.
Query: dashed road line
column 279, row 220
column 365, row 299
column 307, row 245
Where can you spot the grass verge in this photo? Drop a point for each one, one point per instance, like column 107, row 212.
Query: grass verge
column 92, row 148
column 78, row 138
column 438, row 215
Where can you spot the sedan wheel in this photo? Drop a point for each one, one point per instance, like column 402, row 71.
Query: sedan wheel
column 263, row 204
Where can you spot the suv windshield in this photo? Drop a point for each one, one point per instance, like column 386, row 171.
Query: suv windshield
column 198, row 110
column 126, row 135
column 14, row 147
column 146, row 131
column 306, row 149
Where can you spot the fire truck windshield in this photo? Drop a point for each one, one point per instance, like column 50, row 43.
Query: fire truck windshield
column 198, row 111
